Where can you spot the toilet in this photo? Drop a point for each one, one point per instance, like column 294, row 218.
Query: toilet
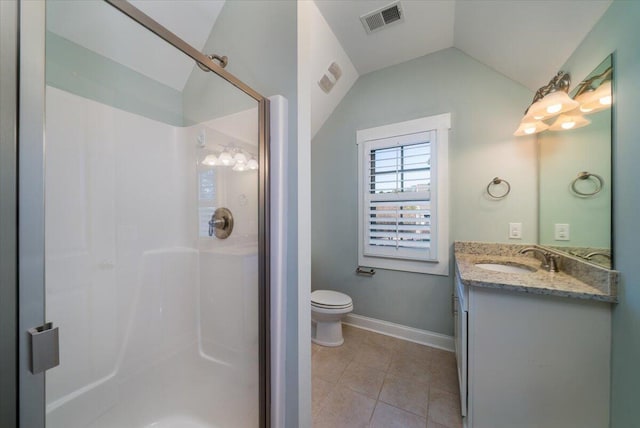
column 327, row 309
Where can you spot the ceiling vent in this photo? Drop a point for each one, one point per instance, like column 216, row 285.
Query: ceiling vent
column 382, row 18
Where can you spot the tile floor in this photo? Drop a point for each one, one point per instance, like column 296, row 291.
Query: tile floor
column 379, row 381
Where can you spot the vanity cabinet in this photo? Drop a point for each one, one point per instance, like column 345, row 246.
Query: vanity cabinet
column 529, row 360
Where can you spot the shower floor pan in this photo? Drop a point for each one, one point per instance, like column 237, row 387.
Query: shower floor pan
column 186, row 390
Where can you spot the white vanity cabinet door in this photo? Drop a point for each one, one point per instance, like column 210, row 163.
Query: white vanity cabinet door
column 537, row 361
column 460, row 326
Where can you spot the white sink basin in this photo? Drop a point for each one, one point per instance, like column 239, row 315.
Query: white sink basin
column 506, row 268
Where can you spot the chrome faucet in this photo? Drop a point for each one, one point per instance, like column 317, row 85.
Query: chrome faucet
column 549, row 261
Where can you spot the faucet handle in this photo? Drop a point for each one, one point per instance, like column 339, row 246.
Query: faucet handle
column 553, row 261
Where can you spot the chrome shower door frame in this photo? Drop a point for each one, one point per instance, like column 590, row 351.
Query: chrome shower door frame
column 31, row 148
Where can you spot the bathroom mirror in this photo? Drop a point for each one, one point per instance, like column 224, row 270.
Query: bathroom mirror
column 575, row 175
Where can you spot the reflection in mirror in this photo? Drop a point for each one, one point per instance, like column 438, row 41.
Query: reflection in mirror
column 575, row 174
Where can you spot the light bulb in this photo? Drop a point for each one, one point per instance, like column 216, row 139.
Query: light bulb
column 530, row 130
column 210, row 160
column 605, row 101
column 568, row 125
column 226, row 159
column 538, row 117
column 252, row 164
column 240, row 157
column 554, row 108
column 585, row 109
column 239, row 167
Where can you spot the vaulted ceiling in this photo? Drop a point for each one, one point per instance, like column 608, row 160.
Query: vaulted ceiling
column 526, row 40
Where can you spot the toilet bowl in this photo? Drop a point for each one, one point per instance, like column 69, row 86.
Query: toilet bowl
column 327, row 310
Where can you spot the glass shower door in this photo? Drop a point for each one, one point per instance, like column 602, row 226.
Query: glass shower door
column 154, row 230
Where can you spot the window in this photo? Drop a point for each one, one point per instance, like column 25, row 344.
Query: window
column 403, row 188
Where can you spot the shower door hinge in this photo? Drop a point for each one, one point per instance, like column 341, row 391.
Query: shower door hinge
column 45, row 348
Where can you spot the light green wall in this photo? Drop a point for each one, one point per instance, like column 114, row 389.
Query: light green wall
column 78, row 70
column 260, row 39
column 618, row 31
column 562, row 156
column 485, row 108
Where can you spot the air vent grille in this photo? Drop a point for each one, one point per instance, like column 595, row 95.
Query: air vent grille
column 381, row 18
column 391, row 15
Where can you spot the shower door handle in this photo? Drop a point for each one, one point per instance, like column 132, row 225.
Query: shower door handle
column 45, row 348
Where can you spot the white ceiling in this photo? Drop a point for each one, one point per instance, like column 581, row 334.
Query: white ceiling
column 527, row 40
column 99, row 27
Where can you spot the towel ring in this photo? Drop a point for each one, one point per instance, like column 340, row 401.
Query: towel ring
column 496, row 181
column 584, row 175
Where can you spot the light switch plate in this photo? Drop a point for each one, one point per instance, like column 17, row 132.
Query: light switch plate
column 562, row 232
column 515, row 230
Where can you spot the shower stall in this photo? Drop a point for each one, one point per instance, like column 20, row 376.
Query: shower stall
column 151, row 212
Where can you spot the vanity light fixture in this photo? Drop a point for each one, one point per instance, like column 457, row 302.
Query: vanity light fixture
column 549, row 101
column 530, row 128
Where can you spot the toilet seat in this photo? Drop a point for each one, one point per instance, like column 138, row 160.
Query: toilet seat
column 329, row 299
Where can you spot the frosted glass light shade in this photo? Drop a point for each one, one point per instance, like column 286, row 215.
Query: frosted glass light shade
column 252, row 164
column 596, row 100
column 240, row 157
column 573, row 120
column 552, row 105
column 226, row 159
column 210, row 160
column 239, row 167
column 530, row 127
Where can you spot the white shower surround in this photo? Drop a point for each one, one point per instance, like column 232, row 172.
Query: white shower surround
column 149, row 333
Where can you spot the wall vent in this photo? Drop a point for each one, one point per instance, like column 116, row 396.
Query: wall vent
column 382, row 18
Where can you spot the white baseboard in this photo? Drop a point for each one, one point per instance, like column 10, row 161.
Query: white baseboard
column 423, row 337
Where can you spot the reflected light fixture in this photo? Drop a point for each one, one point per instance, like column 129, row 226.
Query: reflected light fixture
column 226, row 159
column 570, row 120
column 239, row 167
column 240, row 158
column 252, row 164
column 594, row 100
column 210, row 160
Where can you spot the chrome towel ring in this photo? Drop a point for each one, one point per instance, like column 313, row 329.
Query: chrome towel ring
column 495, row 182
column 584, row 175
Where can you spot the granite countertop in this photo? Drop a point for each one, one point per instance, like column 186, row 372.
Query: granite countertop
column 540, row 281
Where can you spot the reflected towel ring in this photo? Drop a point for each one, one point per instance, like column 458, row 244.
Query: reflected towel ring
column 584, row 175
column 496, row 181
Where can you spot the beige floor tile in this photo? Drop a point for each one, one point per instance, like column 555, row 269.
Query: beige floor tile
column 320, row 390
column 406, row 394
column 346, row 406
column 315, row 348
column 417, row 351
column 328, row 420
column 375, row 356
column 328, row 366
column 388, row 342
column 353, row 334
column 443, row 359
column 409, row 367
column 363, row 379
column 445, row 378
column 386, row 416
column 444, row 408
column 431, row 424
